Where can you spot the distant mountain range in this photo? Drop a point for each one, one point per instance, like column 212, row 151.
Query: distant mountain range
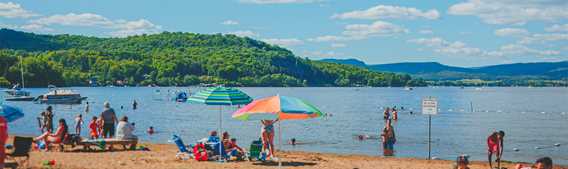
column 437, row 71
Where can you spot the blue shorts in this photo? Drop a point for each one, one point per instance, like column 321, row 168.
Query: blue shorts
column 389, row 145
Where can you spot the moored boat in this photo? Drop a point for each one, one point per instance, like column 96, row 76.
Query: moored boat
column 60, row 96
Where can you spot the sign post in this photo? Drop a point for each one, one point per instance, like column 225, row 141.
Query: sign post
column 429, row 107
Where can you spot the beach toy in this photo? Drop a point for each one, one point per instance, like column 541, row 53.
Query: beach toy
column 41, row 145
column 9, row 146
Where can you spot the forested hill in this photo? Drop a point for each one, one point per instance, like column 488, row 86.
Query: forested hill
column 168, row 59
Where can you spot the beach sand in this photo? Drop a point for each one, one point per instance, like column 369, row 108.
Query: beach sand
column 163, row 156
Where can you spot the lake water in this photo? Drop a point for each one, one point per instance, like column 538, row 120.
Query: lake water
column 531, row 117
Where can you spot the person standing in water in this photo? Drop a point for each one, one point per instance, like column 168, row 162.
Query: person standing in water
column 134, row 105
column 388, row 139
column 268, row 135
column 87, row 108
column 78, row 124
column 386, row 113
column 48, row 119
column 394, row 114
column 495, row 146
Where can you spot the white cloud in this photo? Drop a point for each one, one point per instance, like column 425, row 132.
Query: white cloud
column 516, row 49
column 377, row 28
column 458, row 48
column 338, row 45
column 284, row 42
column 512, row 11
column 141, row 26
column 426, row 31
column 511, row 32
column 278, row 1
column 14, row 10
column 328, row 38
column 230, row 22
column 72, row 19
column 116, row 27
column 557, row 28
column 385, row 11
column 320, row 54
column 542, row 38
column 246, row 33
column 440, row 45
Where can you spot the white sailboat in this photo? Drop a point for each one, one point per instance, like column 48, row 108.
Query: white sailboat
column 17, row 93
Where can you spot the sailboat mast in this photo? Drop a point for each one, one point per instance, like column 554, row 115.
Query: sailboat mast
column 22, row 70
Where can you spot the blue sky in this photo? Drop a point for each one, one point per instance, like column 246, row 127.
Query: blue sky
column 459, row 32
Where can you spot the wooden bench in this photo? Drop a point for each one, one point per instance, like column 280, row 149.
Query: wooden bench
column 109, row 142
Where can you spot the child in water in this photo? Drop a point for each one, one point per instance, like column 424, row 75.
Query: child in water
column 78, row 124
column 150, row 130
column 93, row 125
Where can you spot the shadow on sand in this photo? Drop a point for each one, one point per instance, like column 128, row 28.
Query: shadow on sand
column 286, row 163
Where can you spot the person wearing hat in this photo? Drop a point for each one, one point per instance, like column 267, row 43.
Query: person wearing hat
column 109, row 119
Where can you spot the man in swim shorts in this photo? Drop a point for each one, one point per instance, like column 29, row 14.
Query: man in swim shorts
column 495, row 146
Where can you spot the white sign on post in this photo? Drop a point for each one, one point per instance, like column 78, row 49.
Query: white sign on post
column 430, row 106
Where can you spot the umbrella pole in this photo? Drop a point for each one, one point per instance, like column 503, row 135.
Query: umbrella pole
column 221, row 133
column 279, row 143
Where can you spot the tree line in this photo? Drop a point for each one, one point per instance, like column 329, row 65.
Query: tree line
column 171, row 59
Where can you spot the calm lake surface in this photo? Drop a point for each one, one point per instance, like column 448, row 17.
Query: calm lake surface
column 531, row 118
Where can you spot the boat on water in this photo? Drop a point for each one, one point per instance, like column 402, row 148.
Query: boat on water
column 18, row 93
column 60, row 96
column 408, row 88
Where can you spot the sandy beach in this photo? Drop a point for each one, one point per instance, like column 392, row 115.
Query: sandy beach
column 163, row 156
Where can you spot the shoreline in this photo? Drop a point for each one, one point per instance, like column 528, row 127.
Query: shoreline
column 164, row 156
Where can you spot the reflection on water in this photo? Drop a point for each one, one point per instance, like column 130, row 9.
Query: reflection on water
column 534, row 119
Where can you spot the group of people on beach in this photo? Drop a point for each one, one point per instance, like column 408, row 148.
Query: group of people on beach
column 107, row 125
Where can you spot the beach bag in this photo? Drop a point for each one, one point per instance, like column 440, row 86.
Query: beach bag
column 200, row 153
column 255, row 148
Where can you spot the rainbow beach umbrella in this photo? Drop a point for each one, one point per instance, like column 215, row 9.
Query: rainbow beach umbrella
column 277, row 107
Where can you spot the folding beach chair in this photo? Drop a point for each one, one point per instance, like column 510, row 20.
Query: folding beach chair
column 255, row 149
column 22, row 147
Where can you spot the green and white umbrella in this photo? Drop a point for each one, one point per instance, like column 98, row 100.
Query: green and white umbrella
column 221, row 96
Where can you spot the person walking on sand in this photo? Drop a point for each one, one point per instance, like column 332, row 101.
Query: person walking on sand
column 268, row 135
column 3, row 138
column 495, row 146
column 109, row 119
column 388, row 139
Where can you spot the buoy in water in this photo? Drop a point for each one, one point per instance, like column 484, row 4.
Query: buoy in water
column 515, row 149
column 557, row 144
column 537, row 147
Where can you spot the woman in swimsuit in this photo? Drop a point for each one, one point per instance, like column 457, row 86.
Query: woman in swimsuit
column 57, row 137
column 268, row 135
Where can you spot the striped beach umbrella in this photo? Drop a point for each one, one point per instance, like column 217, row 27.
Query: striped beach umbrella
column 10, row 113
column 277, row 107
column 221, row 96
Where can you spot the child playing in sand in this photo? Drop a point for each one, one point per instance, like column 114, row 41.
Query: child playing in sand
column 78, row 124
column 462, row 162
column 495, row 145
column 93, row 125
